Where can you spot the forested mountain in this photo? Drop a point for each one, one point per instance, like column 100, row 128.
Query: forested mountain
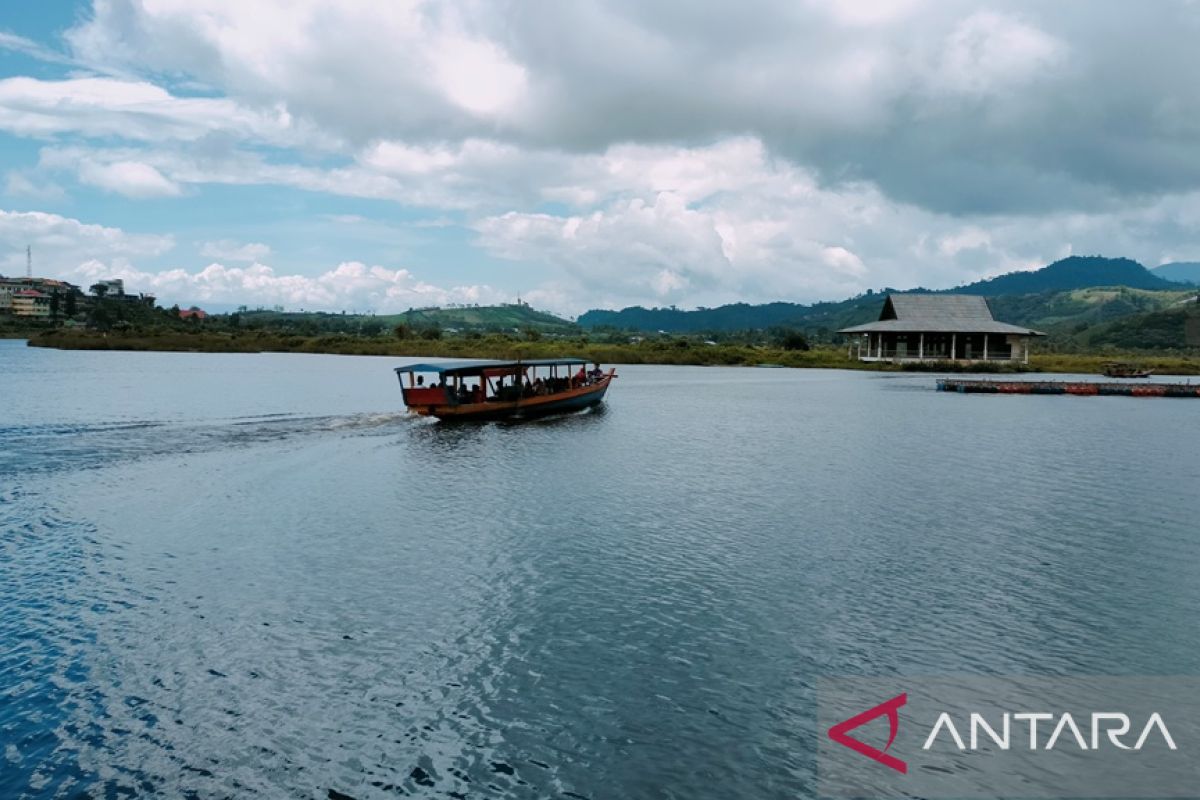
column 1074, row 272
column 735, row 317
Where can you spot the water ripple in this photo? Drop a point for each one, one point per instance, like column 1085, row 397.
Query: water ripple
column 334, row 602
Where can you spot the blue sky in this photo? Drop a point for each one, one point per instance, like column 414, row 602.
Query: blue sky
column 306, row 232
column 327, row 155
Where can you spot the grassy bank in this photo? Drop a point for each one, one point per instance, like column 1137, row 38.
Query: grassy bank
column 500, row 347
column 1094, row 363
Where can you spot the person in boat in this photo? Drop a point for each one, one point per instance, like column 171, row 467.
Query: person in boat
column 581, row 377
column 596, row 374
column 539, row 386
column 420, row 380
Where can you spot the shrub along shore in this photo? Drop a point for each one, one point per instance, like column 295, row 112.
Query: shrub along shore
column 668, row 351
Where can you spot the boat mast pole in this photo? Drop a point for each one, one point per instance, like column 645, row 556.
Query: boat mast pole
column 520, row 384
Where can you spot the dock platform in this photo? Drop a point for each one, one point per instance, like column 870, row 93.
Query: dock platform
column 1109, row 388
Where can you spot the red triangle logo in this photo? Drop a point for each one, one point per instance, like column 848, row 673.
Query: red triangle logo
column 890, row 707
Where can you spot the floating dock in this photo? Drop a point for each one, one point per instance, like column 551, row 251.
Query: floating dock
column 1110, row 388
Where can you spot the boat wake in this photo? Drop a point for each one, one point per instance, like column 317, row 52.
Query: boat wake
column 53, row 448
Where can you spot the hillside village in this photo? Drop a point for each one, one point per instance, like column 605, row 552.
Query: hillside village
column 34, row 300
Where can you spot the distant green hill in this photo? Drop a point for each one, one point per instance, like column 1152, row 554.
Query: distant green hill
column 1181, row 271
column 490, row 318
column 504, row 318
column 1075, row 272
column 1173, row 328
column 1063, row 312
column 813, row 318
column 1039, row 297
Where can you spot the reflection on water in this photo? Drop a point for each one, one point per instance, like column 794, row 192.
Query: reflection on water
column 254, row 576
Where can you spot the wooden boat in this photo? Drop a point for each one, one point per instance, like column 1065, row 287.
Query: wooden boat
column 488, row 390
column 1118, row 369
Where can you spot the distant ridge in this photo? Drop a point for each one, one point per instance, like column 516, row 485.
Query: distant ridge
column 1074, row 272
column 1065, row 275
column 1181, row 271
column 507, row 317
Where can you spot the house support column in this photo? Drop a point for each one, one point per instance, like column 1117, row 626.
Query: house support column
column 1026, row 350
column 954, row 347
column 921, row 348
column 985, row 347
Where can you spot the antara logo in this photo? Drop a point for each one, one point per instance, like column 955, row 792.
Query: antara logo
column 890, row 707
column 1114, row 726
column 1109, row 728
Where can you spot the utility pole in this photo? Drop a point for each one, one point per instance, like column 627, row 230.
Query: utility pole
column 28, row 261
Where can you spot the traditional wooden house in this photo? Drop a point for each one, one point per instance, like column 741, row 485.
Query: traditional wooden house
column 939, row 327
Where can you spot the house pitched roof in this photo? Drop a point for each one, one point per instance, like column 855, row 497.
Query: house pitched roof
column 937, row 313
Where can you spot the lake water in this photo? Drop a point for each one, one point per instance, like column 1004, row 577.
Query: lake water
column 254, row 576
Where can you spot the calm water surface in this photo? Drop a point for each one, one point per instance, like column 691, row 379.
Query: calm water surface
column 254, row 576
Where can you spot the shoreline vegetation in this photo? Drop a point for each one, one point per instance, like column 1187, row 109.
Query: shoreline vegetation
column 677, row 351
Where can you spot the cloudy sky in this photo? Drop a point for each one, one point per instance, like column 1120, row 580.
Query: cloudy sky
column 379, row 155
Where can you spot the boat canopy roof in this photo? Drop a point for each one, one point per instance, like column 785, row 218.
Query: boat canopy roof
column 490, row 367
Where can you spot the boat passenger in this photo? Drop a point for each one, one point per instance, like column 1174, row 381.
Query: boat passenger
column 596, row 373
column 581, row 377
column 420, row 380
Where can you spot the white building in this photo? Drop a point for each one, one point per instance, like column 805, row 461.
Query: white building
column 30, row 303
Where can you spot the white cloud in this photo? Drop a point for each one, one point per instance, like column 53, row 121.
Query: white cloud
column 477, row 75
column 669, row 252
column 129, row 178
column 20, row 44
column 83, row 253
column 350, row 286
column 989, row 52
column 366, row 70
column 140, row 111
column 229, row 250
column 866, row 12
column 22, row 184
column 60, row 244
column 646, row 152
column 742, row 225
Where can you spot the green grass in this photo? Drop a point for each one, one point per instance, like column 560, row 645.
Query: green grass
column 1093, row 364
